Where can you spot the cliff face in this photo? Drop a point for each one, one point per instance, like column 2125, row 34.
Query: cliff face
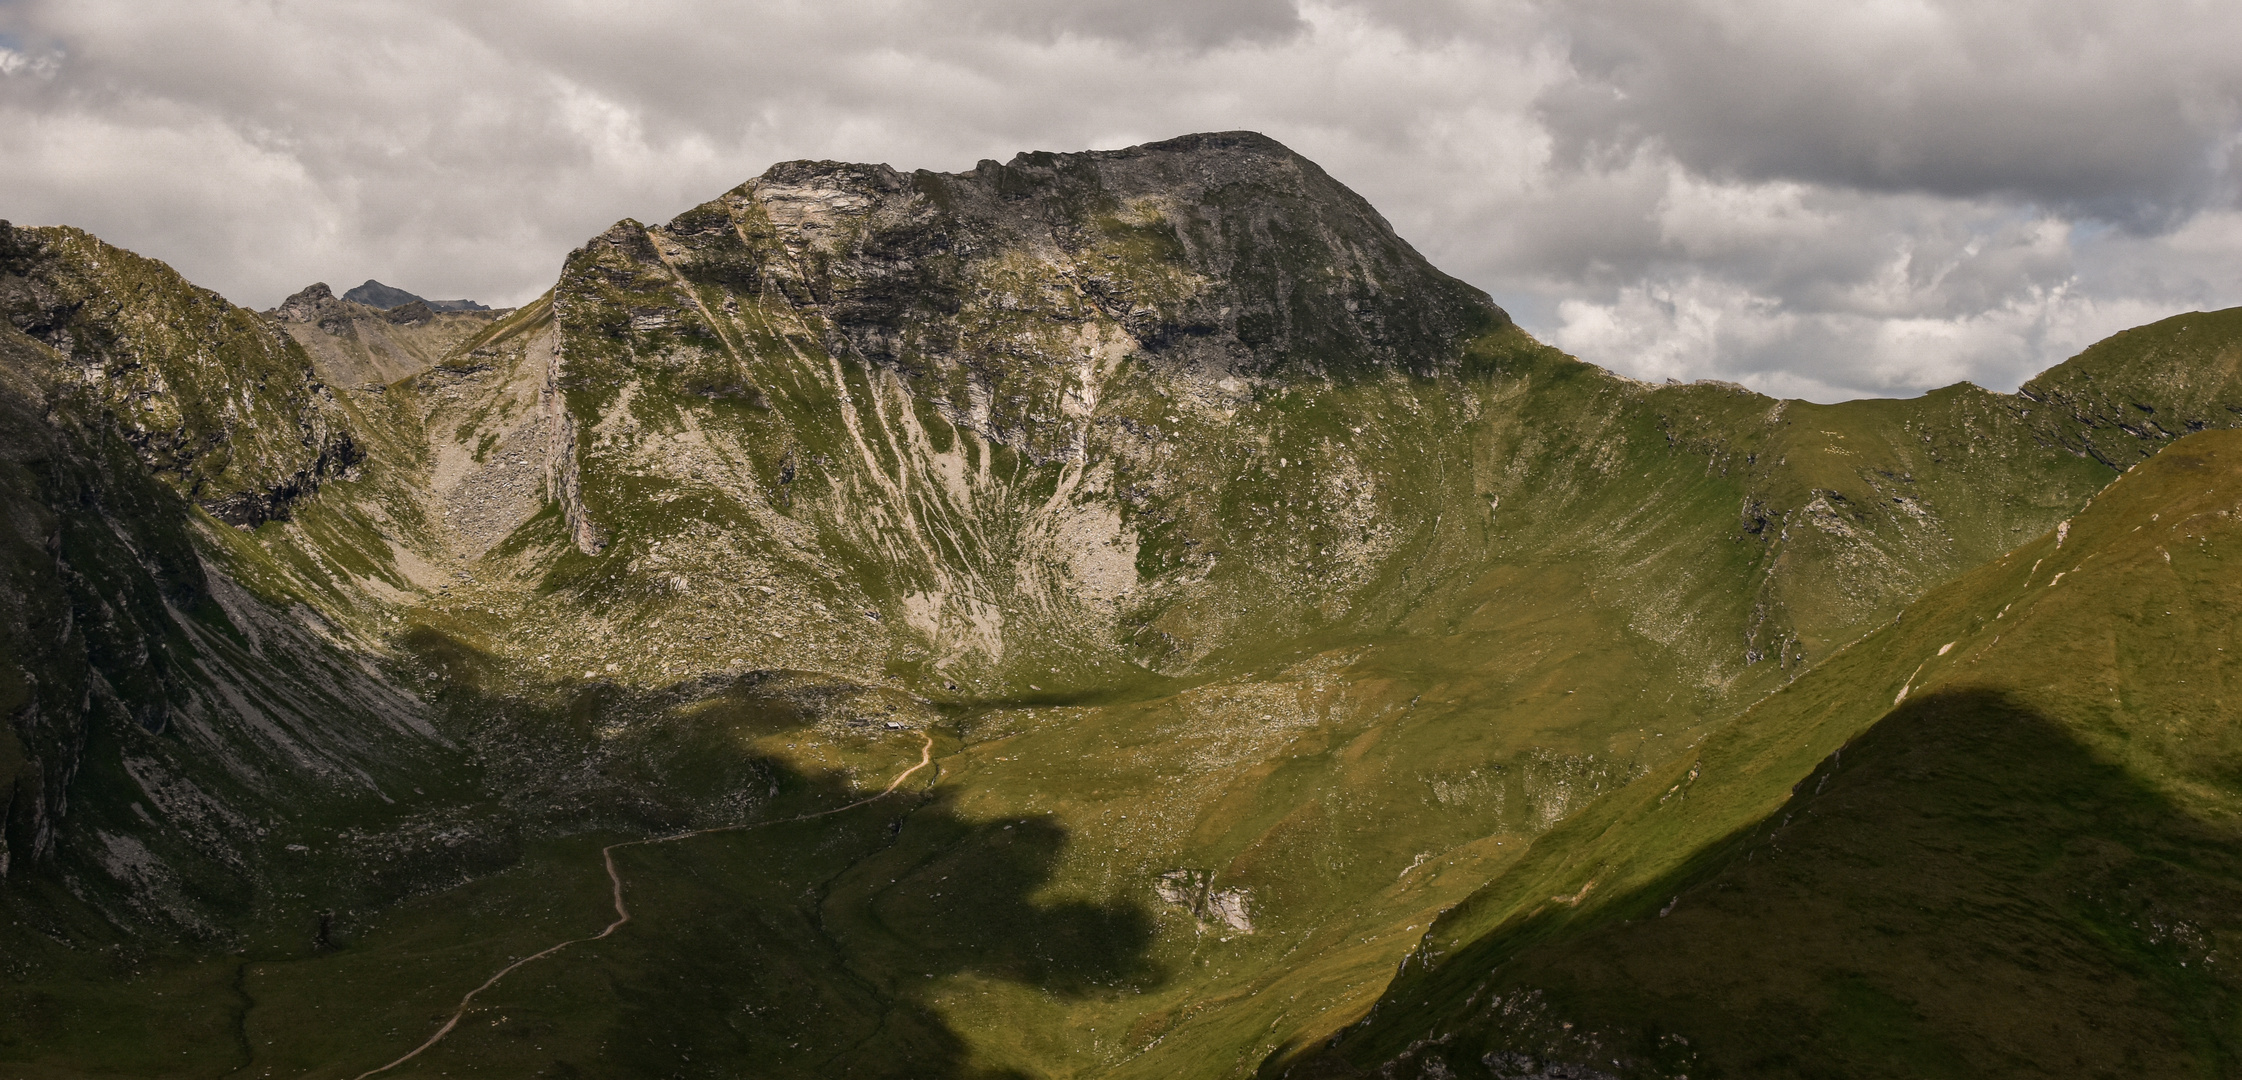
column 969, row 385
column 992, row 292
column 1214, row 255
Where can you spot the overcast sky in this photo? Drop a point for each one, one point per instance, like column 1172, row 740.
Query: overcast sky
column 1818, row 200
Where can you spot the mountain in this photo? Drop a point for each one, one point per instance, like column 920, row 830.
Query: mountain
column 2008, row 847
column 163, row 720
column 376, row 295
column 1089, row 614
column 363, row 346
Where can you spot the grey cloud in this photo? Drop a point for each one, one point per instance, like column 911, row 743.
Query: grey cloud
column 1775, row 203
column 2122, row 111
column 1188, row 23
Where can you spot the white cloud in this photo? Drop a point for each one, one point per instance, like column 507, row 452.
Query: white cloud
column 1878, row 199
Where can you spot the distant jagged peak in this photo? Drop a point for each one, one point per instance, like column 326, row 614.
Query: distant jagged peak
column 374, row 294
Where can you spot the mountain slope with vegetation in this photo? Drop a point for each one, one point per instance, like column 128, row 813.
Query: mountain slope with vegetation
column 1264, row 591
column 1995, row 838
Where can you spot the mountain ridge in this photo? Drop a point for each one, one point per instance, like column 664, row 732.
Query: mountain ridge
column 363, row 346
column 1222, row 546
column 2092, row 781
column 376, row 295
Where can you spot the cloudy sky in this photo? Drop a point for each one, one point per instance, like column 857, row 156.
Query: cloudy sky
column 1818, row 200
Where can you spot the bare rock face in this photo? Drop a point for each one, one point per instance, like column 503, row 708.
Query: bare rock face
column 1012, row 356
column 416, row 313
column 1193, row 891
column 1221, row 256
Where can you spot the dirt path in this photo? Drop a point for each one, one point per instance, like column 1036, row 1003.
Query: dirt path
column 623, row 913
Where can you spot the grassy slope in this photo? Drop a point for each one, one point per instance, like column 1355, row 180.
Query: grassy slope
column 169, row 734
column 2022, row 868
column 1385, row 630
column 1313, row 776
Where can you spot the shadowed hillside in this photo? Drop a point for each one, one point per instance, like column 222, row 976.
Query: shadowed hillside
column 1266, row 595
column 2013, row 857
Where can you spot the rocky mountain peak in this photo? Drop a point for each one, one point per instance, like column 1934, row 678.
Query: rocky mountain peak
column 1220, row 258
column 1222, row 251
column 374, row 294
column 307, row 305
column 382, row 297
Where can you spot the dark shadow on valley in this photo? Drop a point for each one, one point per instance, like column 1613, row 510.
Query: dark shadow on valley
column 793, row 947
column 1965, row 890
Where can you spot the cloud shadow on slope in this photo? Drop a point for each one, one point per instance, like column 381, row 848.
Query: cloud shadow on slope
column 1964, row 890
column 816, row 948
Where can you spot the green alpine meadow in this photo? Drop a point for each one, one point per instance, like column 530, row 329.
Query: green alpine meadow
column 1117, row 614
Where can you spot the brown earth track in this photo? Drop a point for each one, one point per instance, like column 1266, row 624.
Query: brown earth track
column 623, row 913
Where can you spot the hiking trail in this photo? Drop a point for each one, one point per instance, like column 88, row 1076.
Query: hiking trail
column 623, row 913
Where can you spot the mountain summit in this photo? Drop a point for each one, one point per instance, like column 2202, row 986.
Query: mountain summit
column 374, row 294
column 1113, row 613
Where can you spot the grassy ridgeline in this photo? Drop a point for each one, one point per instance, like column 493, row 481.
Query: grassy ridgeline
column 2023, row 867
